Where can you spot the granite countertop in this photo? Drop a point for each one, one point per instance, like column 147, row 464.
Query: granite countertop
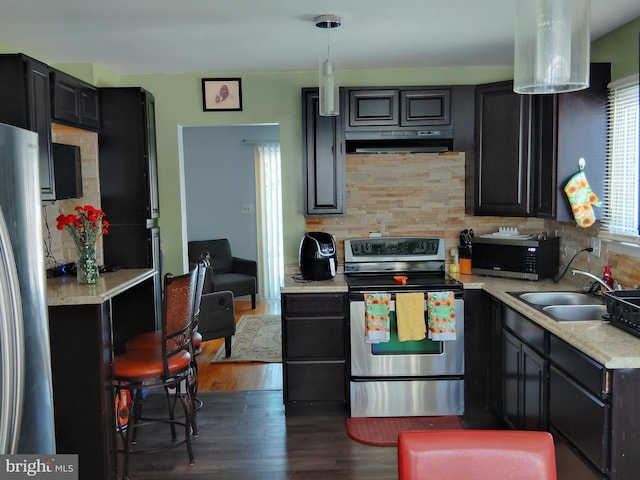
column 294, row 283
column 66, row 290
column 608, row 345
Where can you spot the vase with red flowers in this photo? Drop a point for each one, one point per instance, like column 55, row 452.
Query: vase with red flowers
column 84, row 227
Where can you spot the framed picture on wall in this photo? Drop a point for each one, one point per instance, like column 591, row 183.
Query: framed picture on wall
column 221, row 94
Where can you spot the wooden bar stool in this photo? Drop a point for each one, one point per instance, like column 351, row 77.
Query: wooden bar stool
column 168, row 367
column 151, row 340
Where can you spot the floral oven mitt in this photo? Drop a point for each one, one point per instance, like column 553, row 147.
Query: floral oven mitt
column 582, row 199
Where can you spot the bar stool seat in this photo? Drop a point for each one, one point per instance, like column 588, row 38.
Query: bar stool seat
column 140, row 364
column 151, row 340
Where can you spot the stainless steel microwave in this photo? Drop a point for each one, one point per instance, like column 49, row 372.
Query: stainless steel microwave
column 530, row 258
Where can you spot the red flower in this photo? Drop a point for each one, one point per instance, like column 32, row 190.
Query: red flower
column 84, row 226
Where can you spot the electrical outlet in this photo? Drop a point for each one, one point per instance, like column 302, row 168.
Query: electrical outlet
column 596, row 243
column 246, row 208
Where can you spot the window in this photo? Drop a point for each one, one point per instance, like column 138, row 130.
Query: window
column 621, row 198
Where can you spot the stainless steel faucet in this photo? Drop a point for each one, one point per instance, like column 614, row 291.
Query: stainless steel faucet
column 597, row 279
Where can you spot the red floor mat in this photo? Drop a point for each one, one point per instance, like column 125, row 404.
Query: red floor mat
column 383, row 431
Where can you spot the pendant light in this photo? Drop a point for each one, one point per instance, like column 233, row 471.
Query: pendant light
column 329, row 98
column 552, row 46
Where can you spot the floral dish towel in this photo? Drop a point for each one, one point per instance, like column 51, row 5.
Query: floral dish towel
column 441, row 316
column 377, row 308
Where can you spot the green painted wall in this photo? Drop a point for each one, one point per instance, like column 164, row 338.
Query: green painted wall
column 267, row 98
column 619, row 47
column 275, row 98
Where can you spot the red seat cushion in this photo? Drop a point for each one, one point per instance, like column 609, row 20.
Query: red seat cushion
column 149, row 340
column 144, row 341
column 476, row 454
column 141, row 364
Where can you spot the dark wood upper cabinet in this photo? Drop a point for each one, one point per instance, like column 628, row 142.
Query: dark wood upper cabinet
column 579, row 131
column 530, row 145
column 398, row 107
column 74, row 102
column 503, row 168
column 373, row 108
column 427, row 107
column 128, row 170
column 324, row 158
column 25, row 103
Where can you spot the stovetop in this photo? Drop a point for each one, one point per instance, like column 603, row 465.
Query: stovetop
column 415, row 282
column 371, row 264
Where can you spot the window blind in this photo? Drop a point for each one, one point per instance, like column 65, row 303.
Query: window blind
column 621, row 200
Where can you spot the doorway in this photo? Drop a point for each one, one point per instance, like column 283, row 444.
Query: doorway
column 231, row 173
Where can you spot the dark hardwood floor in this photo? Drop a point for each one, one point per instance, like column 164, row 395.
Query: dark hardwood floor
column 246, row 436
column 244, row 433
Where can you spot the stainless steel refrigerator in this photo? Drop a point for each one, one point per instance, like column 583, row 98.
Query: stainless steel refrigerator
column 26, row 391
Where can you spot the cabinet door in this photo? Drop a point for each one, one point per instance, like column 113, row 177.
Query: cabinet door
column 503, row 151
column 151, row 156
column 73, row 101
column 495, row 358
column 580, row 417
column 369, row 108
column 582, row 133
column 40, row 122
column 427, row 107
column 511, row 368
column 128, row 179
column 533, row 384
column 316, row 382
column 324, row 159
column 25, row 103
column 544, row 140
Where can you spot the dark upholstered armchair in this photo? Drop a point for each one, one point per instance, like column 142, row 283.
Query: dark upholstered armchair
column 226, row 272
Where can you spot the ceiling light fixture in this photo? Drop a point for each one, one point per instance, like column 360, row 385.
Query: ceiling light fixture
column 329, row 99
column 552, row 46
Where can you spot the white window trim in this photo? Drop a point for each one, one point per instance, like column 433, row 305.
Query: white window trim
column 630, row 241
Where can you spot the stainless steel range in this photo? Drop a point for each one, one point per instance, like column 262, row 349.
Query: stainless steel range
column 393, row 377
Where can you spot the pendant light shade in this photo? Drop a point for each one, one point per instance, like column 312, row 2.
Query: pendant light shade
column 329, row 97
column 552, row 46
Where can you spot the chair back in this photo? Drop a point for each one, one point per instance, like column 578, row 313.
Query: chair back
column 219, row 250
column 476, row 455
column 177, row 314
column 200, row 278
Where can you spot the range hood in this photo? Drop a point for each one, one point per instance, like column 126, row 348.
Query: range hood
column 432, row 140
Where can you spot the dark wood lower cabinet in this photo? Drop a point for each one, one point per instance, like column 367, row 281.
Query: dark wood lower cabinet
column 543, row 383
column 314, row 341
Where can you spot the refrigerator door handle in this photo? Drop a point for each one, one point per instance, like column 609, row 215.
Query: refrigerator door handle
column 11, row 346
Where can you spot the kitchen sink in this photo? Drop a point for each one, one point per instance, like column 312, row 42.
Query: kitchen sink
column 559, row 298
column 575, row 313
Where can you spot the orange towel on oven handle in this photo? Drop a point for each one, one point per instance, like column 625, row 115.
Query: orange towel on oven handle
column 410, row 316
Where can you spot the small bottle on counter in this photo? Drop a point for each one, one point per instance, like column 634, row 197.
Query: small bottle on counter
column 607, row 277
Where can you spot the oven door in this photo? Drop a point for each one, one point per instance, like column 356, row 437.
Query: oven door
column 424, row 358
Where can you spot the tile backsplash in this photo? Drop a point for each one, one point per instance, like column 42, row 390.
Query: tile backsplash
column 424, row 194
column 59, row 247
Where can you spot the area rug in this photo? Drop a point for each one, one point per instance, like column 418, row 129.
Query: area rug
column 258, row 338
column 383, row 432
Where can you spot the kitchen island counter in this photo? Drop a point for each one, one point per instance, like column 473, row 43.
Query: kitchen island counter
column 67, row 291
column 88, row 325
